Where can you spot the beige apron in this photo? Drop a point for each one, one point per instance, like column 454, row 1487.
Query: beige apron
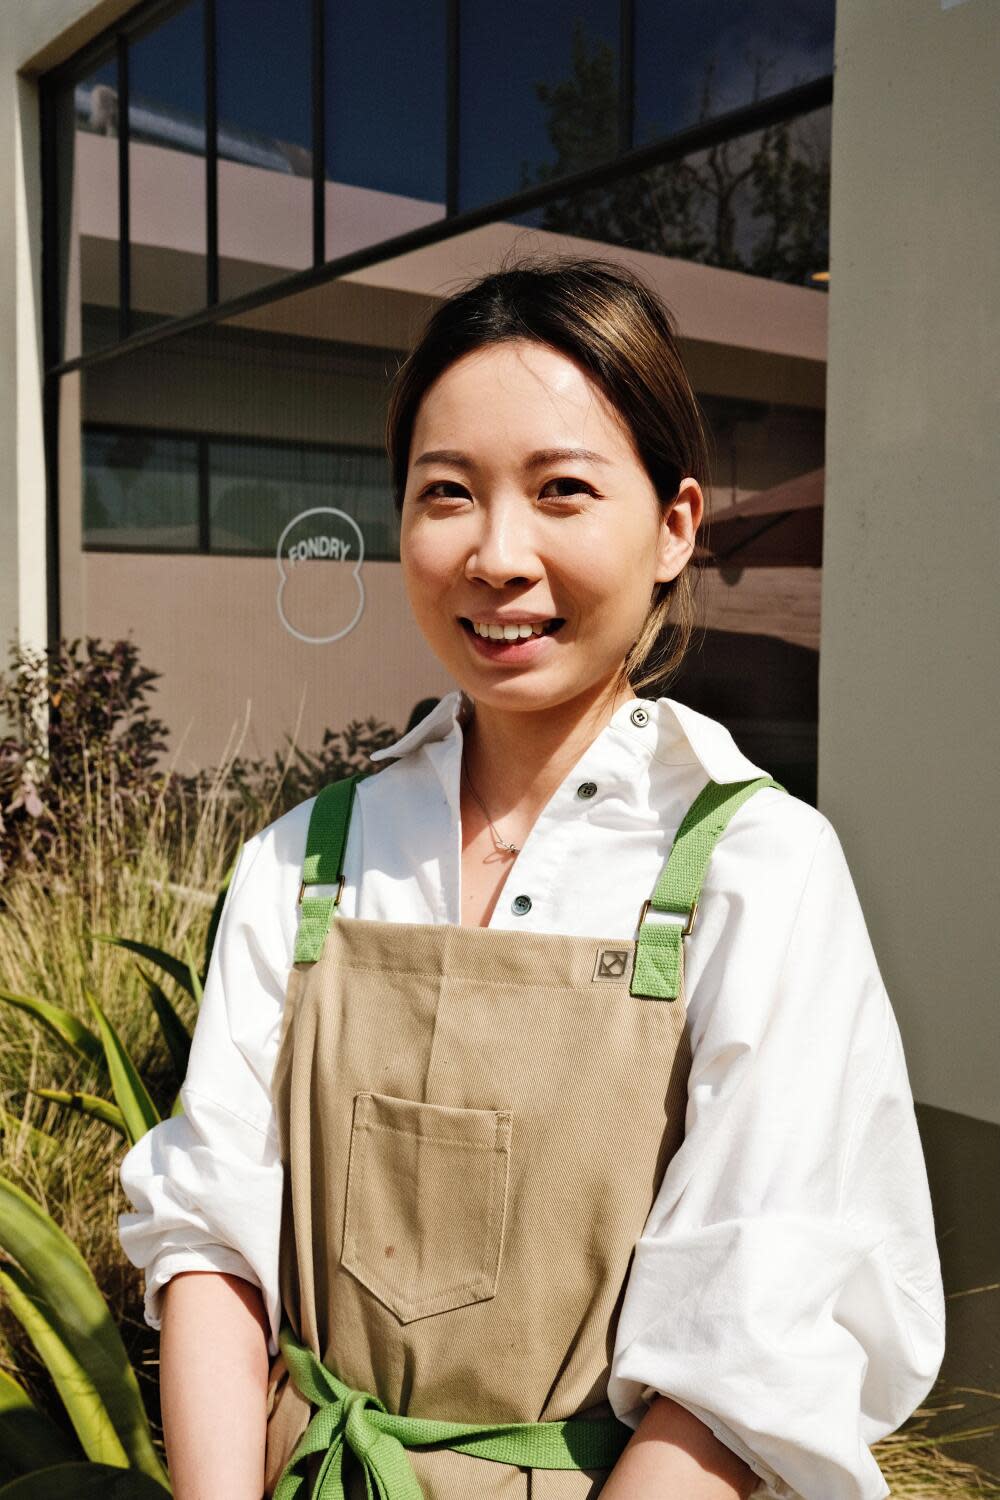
column 474, row 1124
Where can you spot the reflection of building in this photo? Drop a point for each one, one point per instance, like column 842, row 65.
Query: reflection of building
column 302, row 192
column 200, row 445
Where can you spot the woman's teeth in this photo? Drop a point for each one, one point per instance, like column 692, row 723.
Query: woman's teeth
column 510, row 632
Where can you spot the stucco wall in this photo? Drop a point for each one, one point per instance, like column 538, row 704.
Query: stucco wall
column 909, row 710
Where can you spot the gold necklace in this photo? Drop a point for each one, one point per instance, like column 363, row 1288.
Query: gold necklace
column 500, row 842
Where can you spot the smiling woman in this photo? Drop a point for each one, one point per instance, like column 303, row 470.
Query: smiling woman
column 590, row 353
column 544, row 1084
column 574, row 540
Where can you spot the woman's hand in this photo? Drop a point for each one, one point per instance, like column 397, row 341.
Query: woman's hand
column 213, row 1386
column 672, row 1453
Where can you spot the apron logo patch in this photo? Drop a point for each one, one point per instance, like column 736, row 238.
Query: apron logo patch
column 611, row 963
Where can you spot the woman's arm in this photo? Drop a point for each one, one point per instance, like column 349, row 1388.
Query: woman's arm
column 671, row 1452
column 213, row 1386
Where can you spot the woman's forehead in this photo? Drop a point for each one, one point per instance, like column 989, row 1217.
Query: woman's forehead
column 517, row 393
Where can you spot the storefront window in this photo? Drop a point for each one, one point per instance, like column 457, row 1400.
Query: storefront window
column 257, row 491
column 264, row 70
column 386, row 111
column 140, row 491
column 758, row 203
column 698, row 59
column 538, row 99
column 86, row 181
column 167, row 167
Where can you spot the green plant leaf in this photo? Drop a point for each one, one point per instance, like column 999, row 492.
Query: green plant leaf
column 220, row 901
column 87, row 1104
column 42, row 1141
column 131, row 1095
column 175, row 1033
column 28, row 1438
column 62, row 1024
column 177, row 1107
column 79, row 1314
column 178, row 969
column 196, row 986
column 84, row 1407
column 85, row 1482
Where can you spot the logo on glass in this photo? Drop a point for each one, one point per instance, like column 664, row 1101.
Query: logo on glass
column 321, row 594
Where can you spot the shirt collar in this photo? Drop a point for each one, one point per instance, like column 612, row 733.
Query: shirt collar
column 673, row 733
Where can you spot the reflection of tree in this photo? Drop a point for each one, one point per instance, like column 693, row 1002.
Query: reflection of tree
column 757, row 203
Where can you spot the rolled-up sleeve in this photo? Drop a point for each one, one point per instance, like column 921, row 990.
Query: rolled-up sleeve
column 206, row 1185
column 786, row 1288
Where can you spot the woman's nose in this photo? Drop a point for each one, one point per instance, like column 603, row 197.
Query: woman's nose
column 504, row 550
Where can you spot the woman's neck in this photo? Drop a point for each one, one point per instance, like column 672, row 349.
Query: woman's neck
column 516, row 760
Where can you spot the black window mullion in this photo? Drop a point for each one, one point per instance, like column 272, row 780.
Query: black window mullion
column 626, row 76
column 204, row 540
column 319, row 132
column 453, row 110
column 124, row 217
column 211, row 159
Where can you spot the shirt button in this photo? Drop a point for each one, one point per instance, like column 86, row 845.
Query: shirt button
column 640, row 716
column 586, row 789
column 520, row 905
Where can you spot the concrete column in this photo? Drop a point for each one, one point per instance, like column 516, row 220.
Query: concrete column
column 33, row 37
column 909, row 703
column 22, row 467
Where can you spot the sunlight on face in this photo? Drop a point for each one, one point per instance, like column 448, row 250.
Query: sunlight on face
column 502, row 528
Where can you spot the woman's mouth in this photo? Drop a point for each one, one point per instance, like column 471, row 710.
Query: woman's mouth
column 510, row 640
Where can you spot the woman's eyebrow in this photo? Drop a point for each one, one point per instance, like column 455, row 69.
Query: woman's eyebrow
column 533, row 461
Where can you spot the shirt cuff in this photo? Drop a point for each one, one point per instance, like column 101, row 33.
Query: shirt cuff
column 207, row 1258
column 772, row 1486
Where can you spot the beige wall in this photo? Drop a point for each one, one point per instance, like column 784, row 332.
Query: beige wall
column 911, row 607
column 219, row 616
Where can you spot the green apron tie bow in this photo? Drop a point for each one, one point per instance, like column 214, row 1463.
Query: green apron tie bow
column 359, row 1421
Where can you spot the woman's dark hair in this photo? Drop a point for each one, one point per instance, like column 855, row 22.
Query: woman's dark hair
column 619, row 331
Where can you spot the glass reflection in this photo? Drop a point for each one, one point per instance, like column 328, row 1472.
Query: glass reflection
column 386, row 103
column 167, row 167
column 758, row 203
column 257, row 489
column 696, row 59
column 140, row 491
column 539, row 93
column 86, row 124
column 265, row 141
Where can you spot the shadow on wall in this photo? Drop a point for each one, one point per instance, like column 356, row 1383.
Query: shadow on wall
column 766, row 692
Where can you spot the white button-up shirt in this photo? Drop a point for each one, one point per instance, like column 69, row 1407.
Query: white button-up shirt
column 786, row 1287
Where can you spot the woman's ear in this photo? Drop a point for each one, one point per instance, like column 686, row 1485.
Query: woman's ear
column 679, row 522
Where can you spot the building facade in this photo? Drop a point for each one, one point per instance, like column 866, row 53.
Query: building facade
column 224, row 220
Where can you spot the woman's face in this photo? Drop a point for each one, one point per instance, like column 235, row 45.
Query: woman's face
column 528, row 513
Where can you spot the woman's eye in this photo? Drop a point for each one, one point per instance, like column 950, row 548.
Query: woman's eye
column 571, row 486
column 441, row 488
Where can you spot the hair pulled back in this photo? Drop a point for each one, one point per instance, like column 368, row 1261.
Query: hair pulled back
column 619, row 331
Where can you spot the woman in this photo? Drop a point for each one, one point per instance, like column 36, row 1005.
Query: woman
column 546, row 1077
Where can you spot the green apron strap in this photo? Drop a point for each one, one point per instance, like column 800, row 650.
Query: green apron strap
column 324, row 865
column 657, row 969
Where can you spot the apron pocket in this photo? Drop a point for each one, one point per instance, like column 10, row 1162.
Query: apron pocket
column 426, row 1203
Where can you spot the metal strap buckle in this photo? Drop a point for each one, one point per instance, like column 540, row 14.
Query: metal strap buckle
column 689, row 926
column 336, row 899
